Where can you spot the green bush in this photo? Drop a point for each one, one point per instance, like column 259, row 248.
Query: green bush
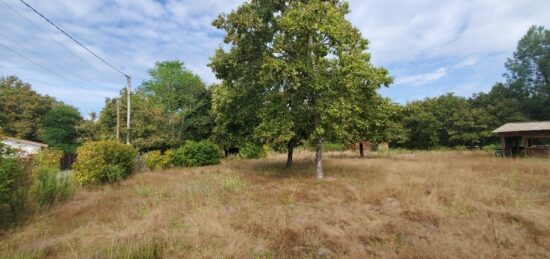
column 155, row 160
column 328, row 146
column 13, row 187
column 490, row 148
column 50, row 186
column 196, row 154
column 103, row 161
column 253, row 151
column 47, row 158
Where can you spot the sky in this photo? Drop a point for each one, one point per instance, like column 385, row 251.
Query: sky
column 430, row 47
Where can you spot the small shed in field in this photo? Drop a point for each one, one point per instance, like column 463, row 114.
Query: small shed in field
column 25, row 147
column 525, row 138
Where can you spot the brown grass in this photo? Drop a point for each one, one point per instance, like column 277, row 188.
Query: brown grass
column 430, row 205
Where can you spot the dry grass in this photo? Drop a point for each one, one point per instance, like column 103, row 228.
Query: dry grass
column 431, row 205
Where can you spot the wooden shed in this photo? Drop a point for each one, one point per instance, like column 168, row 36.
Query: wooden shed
column 526, row 138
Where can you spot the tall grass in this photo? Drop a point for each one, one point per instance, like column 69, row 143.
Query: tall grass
column 429, row 205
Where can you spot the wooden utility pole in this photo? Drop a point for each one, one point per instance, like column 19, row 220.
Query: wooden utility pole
column 118, row 120
column 129, row 90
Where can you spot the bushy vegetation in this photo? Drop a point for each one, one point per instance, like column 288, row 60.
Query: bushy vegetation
column 14, row 183
column 50, row 186
column 156, row 160
column 329, row 146
column 29, row 183
column 196, row 154
column 253, row 151
column 48, row 158
column 103, row 162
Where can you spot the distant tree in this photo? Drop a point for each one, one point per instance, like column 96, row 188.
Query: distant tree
column 422, row 125
column 379, row 120
column 59, row 127
column 88, row 129
column 22, row 109
column 447, row 121
column 528, row 76
column 149, row 129
column 180, row 93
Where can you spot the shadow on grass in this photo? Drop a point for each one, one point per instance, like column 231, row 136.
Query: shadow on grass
column 304, row 168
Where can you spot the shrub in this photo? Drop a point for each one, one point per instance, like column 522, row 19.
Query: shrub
column 155, row 160
column 13, row 187
column 103, row 161
column 335, row 147
column 48, row 158
column 490, row 148
column 253, row 151
column 196, row 154
column 50, row 186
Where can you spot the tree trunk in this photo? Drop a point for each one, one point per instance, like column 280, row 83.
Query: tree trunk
column 361, row 150
column 289, row 155
column 319, row 159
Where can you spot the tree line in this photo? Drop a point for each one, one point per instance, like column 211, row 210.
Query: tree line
column 291, row 73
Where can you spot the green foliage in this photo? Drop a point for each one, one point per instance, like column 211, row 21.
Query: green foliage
column 196, row 154
column 103, row 161
column 528, row 76
column 59, row 127
column 293, row 72
column 88, row 129
column 21, row 109
column 50, row 186
column 155, row 160
column 332, row 147
column 48, row 158
column 13, row 188
column 253, row 151
column 447, row 121
column 172, row 106
column 491, row 148
column 149, row 130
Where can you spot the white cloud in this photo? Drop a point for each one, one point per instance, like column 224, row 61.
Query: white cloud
column 402, row 31
column 469, row 61
column 134, row 34
column 422, row 79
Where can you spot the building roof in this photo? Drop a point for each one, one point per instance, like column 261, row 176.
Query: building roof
column 524, row 126
column 28, row 142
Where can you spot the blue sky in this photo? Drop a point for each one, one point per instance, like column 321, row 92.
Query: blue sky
column 431, row 47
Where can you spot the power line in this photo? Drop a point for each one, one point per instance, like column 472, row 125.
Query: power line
column 73, row 39
column 57, row 41
column 46, row 69
column 58, row 66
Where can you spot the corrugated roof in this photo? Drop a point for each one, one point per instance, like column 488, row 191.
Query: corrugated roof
column 524, row 126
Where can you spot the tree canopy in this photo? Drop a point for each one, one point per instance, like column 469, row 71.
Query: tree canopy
column 21, row 109
column 304, row 63
column 170, row 107
column 60, row 127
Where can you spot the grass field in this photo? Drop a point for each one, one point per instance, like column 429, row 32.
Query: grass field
column 426, row 205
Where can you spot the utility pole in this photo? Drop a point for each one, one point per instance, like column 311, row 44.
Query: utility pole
column 118, row 120
column 129, row 90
